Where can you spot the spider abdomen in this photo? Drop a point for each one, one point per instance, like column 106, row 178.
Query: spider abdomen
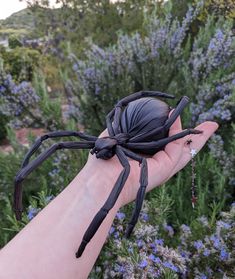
column 143, row 116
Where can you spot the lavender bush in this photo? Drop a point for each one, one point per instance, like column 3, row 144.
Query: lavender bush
column 29, row 105
column 211, row 70
column 17, row 101
column 157, row 250
column 136, row 62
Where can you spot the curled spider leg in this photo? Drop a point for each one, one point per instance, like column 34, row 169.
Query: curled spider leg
column 109, row 117
column 160, row 144
column 21, row 175
column 57, row 134
column 163, row 129
column 141, row 192
column 114, row 127
column 142, row 94
column 176, row 112
column 109, row 204
column 117, row 119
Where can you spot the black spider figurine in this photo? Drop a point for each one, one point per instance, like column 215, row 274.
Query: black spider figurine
column 138, row 124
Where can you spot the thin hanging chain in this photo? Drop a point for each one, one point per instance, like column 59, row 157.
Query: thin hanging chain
column 193, row 187
column 193, row 152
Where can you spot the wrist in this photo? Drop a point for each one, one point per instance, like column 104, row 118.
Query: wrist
column 98, row 177
column 101, row 175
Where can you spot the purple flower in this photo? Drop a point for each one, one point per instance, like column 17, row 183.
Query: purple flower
column 140, row 243
column 206, row 252
column 219, row 35
column 186, row 229
column 75, row 67
column 184, row 254
column 97, row 89
column 159, row 242
column 112, row 230
column 224, row 255
column 198, row 244
column 144, row 216
column 169, row 229
column 154, row 259
column 216, row 241
column 120, row 215
column 212, row 45
column 2, row 89
column 219, row 88
column 171, row 266
column 153, row 247
column 120, row 269
column 223, row 225
column 32, row 212
column 116, row 235
column 143, row 263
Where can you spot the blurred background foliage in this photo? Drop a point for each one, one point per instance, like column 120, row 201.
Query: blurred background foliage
column 65, row 68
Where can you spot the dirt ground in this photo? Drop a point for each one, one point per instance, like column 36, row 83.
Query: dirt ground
column 22, row 136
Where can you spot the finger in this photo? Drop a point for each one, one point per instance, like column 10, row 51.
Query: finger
column 198, row 141
column 104, row 133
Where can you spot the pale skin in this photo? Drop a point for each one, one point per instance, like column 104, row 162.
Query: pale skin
column 46, row 247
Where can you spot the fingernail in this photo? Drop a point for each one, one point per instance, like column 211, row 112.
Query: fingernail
column 215, row 124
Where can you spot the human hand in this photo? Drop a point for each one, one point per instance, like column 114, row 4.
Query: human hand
column 161, row 166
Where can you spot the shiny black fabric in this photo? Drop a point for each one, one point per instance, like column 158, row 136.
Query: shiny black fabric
column 142, row 116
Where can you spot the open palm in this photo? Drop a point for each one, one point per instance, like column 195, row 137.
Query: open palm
column 161, row 166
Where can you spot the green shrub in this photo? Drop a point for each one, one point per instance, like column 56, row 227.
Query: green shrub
column 3, row 130
column 14, row 42
column 21, row 63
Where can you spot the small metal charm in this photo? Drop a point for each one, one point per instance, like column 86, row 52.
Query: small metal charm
column 193, row 153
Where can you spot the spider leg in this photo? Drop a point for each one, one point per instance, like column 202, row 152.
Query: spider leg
column 114, row 128
column 159, row 144
column 142, row 94
column 141, row 192
column 21, row 175
column 182, row 103
column 177, row 111
column 57, row 134
column 109, row 122
column 100, row 216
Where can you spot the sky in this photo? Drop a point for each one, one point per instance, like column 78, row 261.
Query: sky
column 8, row 7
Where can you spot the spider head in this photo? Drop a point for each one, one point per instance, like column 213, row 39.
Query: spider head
column 104, row 148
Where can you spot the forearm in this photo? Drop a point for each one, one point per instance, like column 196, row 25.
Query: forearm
column 46, row 247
